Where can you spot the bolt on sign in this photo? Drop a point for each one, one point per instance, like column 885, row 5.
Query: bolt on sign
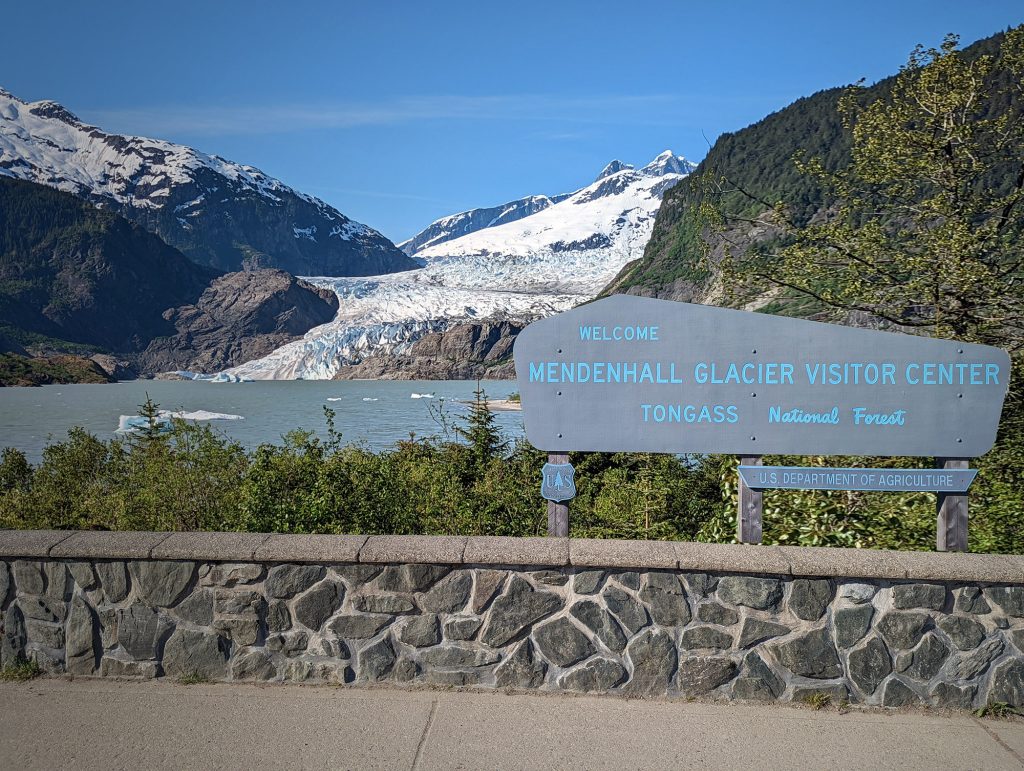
column 632, row 374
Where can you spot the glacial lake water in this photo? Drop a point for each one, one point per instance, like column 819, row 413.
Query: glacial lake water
column 376, row 413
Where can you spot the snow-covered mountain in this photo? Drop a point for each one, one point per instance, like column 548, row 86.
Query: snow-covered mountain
column 540, row 264
column 463, row 223
column 217, row 212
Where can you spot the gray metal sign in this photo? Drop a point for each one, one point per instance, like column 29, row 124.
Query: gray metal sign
column 635, row 374
column 890, row 479
column 558, row 482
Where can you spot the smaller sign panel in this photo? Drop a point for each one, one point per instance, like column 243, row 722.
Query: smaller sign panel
column 559, row 482
column 891, row 479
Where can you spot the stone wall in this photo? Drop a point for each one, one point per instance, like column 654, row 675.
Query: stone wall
column 630, row 618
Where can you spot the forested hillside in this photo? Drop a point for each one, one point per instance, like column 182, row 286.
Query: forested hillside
column 754, row 169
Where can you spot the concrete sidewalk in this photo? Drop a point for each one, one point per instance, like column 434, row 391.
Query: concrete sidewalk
column 85, row 724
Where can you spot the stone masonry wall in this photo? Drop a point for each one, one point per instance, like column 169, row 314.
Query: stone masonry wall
column 730, row 634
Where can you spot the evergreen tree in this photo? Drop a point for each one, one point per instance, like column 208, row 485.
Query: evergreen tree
column 481, row 431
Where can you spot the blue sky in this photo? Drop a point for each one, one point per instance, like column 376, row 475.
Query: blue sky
column 400, row 112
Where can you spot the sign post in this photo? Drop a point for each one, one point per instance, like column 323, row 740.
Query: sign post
column 558, row 486
column 633, row 374
column 748, row 520
column 952, row 513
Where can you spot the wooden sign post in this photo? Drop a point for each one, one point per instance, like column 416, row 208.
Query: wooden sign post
column 952, row 512
column 748, row 520
column 558, row 511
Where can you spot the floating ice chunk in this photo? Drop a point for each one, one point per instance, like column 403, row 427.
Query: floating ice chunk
column 370, row 399
column 162, row 419
column 421, row 396
column 206, row 415
column 334, row 398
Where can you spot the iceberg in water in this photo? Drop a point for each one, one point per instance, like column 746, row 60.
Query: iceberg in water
column 369, row 398
column 421, row 396
column 127, row 423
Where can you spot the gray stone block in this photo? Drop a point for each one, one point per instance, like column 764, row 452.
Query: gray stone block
column 1008, row 683
column 462, row 628
column 29, row 578
column 1009, row 599
column 927, row 658
column 898, row 694
column 907, row 596
column 139, row 630
column 189, row 653
column 699, row 675
column 383, row 603
column 596, row 676
column 809, row 598
column 757, row 630
column 376, row 661
column 359, row 626
column 870, row 664
column 750, row 591
column 562, row 643
column 667, row 608
column 318, row 549
column 318, row 604
column 161, row 584
column 697, row 637
column 450, row 594
column 903, row 629
column 411, row 578
column 196, row 608
column 421, row 631
column 851, row 624
column 587, row 581
column 812, row 654
column 284, row 581
column 964, row 632
column 627, row 610
column 113, row 577
column 613, row 553
column 654, row 659
column 949, row 696
column 426, row 549
column 714, row 613
column 448, row 656
column 601, row 623
column 486, row 584
column 516, row 610
column 506, row 550
column 968, row 666
column 521, row 669
column 250, row 664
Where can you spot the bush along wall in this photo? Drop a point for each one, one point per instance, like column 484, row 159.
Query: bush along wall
column 629, row 618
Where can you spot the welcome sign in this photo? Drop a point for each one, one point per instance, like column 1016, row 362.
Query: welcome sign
column 641, row 375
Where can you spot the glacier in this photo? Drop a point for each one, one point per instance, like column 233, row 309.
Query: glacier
column 561, row 255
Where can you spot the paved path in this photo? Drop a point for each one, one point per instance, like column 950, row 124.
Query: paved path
column 85, row 724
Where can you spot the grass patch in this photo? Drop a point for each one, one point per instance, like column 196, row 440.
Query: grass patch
column 20, row 671
column 817, row 700
column 998, row 709
column 193, row 678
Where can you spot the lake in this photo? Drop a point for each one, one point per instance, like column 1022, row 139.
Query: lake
column 375, row 412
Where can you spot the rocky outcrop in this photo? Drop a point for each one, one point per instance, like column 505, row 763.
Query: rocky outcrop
column 466, row 351
column 240, row 316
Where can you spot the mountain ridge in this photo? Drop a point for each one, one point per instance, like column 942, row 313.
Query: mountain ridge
column 217, row 212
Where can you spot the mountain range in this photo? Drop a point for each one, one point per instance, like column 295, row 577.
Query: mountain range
column 218, row 213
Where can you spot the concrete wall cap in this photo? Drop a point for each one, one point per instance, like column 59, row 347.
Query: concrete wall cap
column 731, row 558
column 221, row 547
column 509, row 550
column 612, row 553
column 310, row 548
column 118, row 544
column 442, row 549
column 484, row 550
column 31, row 543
